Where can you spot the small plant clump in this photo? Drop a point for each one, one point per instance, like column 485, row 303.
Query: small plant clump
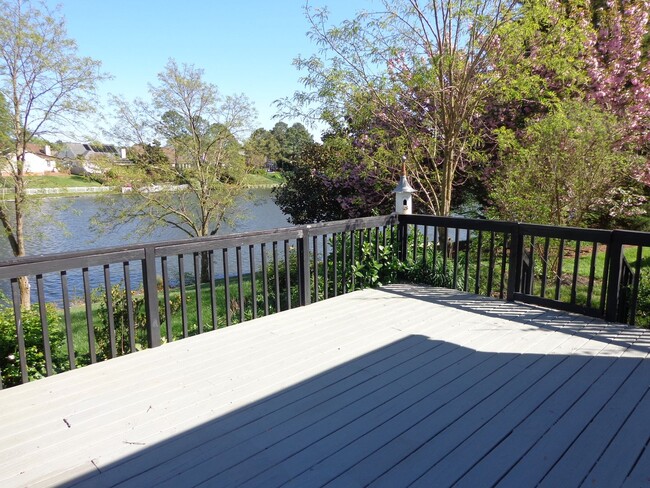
column 34, row 344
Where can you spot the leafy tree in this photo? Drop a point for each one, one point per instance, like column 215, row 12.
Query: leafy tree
column 5, row 131
column 566, row 169
column 296, row 141
column 261, row 146
column 150, row 158
column 46, row 85
column 424, row 72
column 334, row 181
column 202, row 128
column 292, row 142
column 555, row 53
column 617, row 65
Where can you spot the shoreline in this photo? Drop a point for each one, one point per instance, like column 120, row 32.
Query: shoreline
column 76, row 191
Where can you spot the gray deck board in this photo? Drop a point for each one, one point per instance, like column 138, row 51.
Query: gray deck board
column 405, row 385
column 574, row 466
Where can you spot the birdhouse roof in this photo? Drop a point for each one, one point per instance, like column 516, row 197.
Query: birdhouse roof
column 403, row 186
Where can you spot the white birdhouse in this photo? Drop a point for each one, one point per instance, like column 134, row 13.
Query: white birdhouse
column 404, row 194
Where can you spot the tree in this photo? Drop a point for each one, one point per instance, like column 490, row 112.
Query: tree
column 617, row 65
column 5, row 132
column 334, row 181
column 292, row 142
column 575, row 51
column 202, row 127
column 151, row 159
column 423, row 70
column 297, row 140
column 47, row 85
column 566, row 170
column 261, row 146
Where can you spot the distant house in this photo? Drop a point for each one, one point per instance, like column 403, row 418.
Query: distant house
column 81, row 159
column 38, row 160
column 270, row 165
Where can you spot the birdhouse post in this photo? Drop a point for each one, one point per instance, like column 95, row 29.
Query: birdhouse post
column 403, row 194
column 403, row 206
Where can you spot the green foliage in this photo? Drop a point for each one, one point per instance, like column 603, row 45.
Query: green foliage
column 120, row 307
column 566, row 169
column 643, row 299
column 286, row 294
column 31, row 321
column 261, row 146
column 552, row 40
column 152, row 159
column 375, row 267
column 124, row 343
column 292, row 141
column 429, row 268
column 5, row 130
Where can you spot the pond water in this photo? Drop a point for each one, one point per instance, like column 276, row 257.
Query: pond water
column 64, row 226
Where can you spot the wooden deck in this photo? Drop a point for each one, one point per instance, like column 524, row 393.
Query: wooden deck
column 394, row 387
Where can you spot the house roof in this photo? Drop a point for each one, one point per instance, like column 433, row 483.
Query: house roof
column 74, row 150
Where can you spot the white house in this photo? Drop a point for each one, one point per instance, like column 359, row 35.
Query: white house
column 38, row 160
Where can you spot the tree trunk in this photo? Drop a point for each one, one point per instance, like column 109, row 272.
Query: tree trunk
column 24, row 287
column 205, row 267
column 19, row 207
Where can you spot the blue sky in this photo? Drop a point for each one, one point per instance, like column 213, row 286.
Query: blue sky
column 244, row 46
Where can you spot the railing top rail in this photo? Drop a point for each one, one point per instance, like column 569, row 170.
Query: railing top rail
column 459, row 222
column 351, row 224
column 49, row 263
column 200, row 244
column 632, row 238
column 570, row 233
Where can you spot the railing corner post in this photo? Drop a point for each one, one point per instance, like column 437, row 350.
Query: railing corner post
column 615, row 246
column 514, row 262
column 303, row 267
column 151, row 297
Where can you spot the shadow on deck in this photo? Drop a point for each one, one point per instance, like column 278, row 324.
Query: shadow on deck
column 439, row 388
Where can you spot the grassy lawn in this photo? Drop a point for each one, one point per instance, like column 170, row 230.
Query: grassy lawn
column 58, row 181
column 67, row 181
column 179, row 330
column 264, row 178
column 584, row 271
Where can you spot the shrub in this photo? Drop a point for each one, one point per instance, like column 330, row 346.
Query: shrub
column 31, row 320
column 121, row 321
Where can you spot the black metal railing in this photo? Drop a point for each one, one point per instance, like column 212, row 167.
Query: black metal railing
column 96, row 305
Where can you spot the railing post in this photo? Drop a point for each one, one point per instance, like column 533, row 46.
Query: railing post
column 151, row 297
column 402, row 238
column 514, row 262
column 303, row 268
column 613, row 284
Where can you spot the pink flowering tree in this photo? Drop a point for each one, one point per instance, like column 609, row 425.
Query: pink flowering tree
column 618, row 67
column 562, row 53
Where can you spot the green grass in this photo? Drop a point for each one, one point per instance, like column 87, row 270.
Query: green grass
column 58, row 181
column 264, row 178
column 584, row 271
column 80, row 327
